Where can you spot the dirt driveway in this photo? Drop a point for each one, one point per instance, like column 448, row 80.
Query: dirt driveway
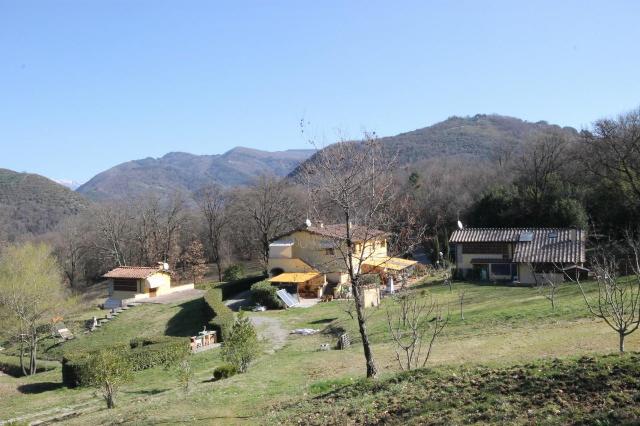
column 271, row 330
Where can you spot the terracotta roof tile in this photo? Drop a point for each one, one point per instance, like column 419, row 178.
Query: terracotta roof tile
column 339, row 231
column 133, row 272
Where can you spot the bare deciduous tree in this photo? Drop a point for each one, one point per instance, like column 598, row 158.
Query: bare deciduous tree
column 273, row 211
column 546, row 283
column 352, row 183
column 461, row 294
column 194, row 261
column 113, row 230
column 539, row 165
column 618, row 299
column 213, row 205
column 417, row 323
column 612, row 151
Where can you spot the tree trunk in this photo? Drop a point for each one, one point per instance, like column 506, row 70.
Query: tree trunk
column 219, row 266
column 111, row 403
column 265, row 254
column 621, row 342
column 32, row 363
column 372, row 370
column 24, row 370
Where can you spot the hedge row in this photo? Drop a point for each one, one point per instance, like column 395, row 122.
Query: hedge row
column 159, row 350
column 219, row 315
column 264, row 293
column 234, row 287
column 141, row 354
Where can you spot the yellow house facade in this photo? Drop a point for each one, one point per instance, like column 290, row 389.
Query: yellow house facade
column 316, row 254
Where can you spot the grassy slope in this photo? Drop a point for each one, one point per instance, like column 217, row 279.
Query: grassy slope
column 503, row 326
column 588, row 390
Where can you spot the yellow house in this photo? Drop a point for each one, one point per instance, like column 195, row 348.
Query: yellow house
column 138, row 282
column 310, row 260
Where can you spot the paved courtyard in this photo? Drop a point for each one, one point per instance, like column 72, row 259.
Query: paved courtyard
column 178, row 296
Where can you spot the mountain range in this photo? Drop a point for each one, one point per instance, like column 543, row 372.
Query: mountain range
column 30, row 203
column 179, row 171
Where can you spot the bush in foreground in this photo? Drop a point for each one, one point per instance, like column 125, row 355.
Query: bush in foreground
column 107, row 370
column 241, row 346
column 224, row 372
column 263, row 293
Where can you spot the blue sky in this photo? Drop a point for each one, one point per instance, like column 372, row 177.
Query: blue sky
column 85, row 85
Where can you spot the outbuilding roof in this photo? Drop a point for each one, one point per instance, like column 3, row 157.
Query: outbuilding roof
column 132, row 272
column 537, row 245
column 294, row 277
column 393, row 263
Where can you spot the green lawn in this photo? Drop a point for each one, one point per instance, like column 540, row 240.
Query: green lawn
column 588, row 390
column 503, row 326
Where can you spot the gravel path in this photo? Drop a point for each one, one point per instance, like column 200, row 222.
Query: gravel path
column 271, row 330
column 239, row 300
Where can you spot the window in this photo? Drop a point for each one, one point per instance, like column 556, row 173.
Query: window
column 125, row 285
column 383, row 243
column 553, row 237
column 503, row 269
column 329, row 252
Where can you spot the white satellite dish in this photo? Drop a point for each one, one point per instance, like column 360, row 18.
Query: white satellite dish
column 460, row 225
column 307, row 222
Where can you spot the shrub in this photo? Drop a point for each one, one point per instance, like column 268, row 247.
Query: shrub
column 74, row 363
column 220, row 316
column 264, row 293
column 232, row 288
column 140, row 353
column 184, row 374
column 233, row 272
column 224, row 372
column 241, row 346
column 106, row 370
column 369, row 279
column 420, row 270
column 157, row 351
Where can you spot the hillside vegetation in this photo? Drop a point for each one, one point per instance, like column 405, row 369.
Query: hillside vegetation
column 180, row 171
column 481, row 137
column 32, row 204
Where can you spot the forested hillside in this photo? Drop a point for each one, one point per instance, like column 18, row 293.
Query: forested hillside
column 183, row 172
column 32, row 204
column 481, row 137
